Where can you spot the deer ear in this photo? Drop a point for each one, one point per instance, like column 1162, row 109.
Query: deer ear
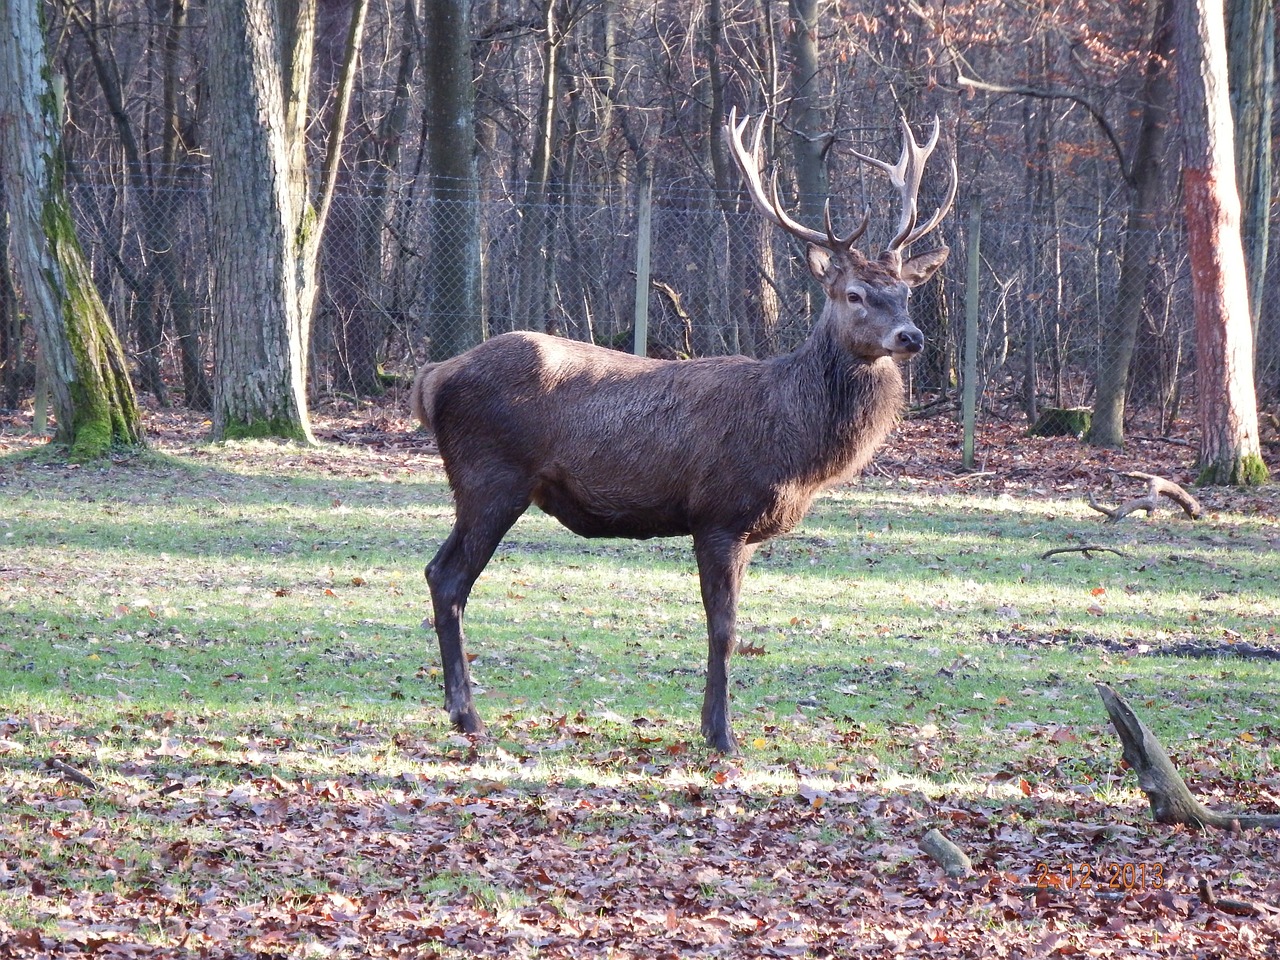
column 819, row 262
column 919, row 269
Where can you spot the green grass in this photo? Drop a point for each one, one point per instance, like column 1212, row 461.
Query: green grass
column 204, row 585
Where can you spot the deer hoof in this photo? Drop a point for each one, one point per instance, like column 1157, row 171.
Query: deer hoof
column 722, row 741
column 466, row 720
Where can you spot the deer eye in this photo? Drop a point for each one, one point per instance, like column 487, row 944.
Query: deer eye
column 854, row 296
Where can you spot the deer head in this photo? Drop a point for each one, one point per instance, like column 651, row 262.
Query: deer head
column 866, row 299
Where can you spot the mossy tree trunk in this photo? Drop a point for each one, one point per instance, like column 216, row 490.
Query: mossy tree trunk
column 93, row 398
column 1230, row 452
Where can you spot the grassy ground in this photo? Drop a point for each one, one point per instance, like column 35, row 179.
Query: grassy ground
column 223, row 646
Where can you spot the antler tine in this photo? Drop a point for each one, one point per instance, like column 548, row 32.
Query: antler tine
column 941, row 212
column 905, row 175
column 848, row 242
column 750, row 163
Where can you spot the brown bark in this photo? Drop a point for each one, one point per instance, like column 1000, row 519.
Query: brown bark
column 1229, row 447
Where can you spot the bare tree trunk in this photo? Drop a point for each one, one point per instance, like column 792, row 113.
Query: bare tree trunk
column 93, row 398
column 1251, row 64
column 1229, row 447
column 166, row 269
column 12, row 368
column 262, row 286
column 1147, row 208
column 1251, row 73
column 809, row 144
column 806, row 118
column 533, row 303
column 356, row 263
column 266, row 231
column 453, row 304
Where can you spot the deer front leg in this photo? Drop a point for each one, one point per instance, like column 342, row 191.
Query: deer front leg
column 448, row 601
column 722, row 560
column 481, row 523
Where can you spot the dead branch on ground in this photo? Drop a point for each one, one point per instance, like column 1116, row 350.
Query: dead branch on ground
column 1088, row 550
column 1239, row 908
column 1156, row 488
column 953, row 860
column 69, row 772
column 1171, row 801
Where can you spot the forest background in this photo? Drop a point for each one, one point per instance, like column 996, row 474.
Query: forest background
column 591, row 143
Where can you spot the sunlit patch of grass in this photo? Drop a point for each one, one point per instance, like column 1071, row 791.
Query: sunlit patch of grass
column 450, row 885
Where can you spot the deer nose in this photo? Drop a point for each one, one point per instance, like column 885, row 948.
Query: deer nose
column 910, row 340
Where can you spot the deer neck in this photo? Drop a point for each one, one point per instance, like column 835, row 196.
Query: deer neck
column 853, row 401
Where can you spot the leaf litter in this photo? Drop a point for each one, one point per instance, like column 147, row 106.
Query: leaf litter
column 642, row 846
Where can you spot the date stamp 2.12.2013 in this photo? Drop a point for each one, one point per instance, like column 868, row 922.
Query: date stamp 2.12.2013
column 1113, row 876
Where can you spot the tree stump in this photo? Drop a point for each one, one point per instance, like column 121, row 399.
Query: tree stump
column 1062, row 422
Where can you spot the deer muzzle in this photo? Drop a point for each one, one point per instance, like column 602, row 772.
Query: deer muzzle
column 905, row 341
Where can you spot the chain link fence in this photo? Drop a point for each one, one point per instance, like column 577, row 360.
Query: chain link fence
column 722, row 281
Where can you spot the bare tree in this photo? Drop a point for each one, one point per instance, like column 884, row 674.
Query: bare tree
column 1143, row 177
column 266, row 231
column 453, row 303
column 1251, row 55
column 1229, row 447
column 806, row 118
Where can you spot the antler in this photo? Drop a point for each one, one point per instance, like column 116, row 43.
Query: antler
column 751, row 163
column 905, row 176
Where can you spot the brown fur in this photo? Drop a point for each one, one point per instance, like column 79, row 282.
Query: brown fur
column 728, row 450
column 418, row 393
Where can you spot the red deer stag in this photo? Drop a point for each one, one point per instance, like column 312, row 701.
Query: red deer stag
column 728, row 450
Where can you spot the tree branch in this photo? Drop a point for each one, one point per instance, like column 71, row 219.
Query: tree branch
column 1041, row 93
column 1171, row 801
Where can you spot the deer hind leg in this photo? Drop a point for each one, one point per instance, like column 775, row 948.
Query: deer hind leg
column 481, row 523
column 722, row 561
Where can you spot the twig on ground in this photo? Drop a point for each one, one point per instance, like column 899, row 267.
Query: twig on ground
column 71, row 773
column 1175, row 441
column 1088, row 550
